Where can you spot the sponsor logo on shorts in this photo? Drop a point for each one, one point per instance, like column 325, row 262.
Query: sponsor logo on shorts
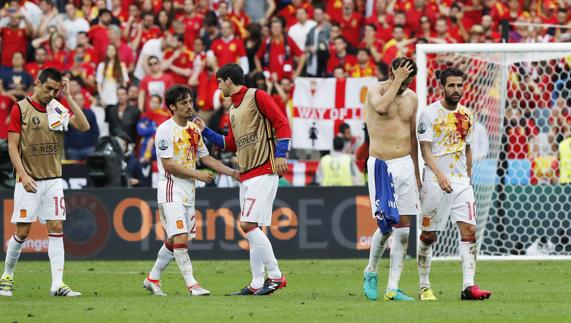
column 163, row 144
column 179, row 224
column 23, row 213
column 247, row 140
column 45, row 149
column 421, row 128
column 425, row 221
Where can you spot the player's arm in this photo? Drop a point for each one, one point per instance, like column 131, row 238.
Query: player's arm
column 382, row 99
column 14, row 151
column 177, row 170
column 78, row 119
column 469, row 160
column 225, row 142
column 270, row 110
column 219, row 167
column 426, row 150
column 414, row 142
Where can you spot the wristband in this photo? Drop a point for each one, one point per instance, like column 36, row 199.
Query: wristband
column 213, row 137
column 282, row 146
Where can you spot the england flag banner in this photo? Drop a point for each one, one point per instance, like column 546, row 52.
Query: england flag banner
column 320, row 105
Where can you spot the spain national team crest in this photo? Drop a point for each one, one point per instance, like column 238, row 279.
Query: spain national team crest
column 179, row 224
column 23, row 213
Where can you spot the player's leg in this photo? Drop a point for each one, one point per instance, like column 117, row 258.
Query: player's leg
column 426, row 241
column 435, row 213
column 56, row 254
column 180, row 250
column 12, row 255
column 378, row 242
column 399, row 247
column 464, row 214
column 165, row 255
column 153, row 281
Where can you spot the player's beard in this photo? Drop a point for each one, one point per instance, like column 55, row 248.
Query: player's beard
column 453, row 99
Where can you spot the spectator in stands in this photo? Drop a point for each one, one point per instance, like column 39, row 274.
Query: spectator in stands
column 442, row 35
column 163, row 21
column 73, row 24
column 372, row 42
column 476, row 34
column 365, row 67
column 123, row 117
column 17, row 81
column 7, row 100
column 279, row 53
column 111, row 74
column 281, row 91
column 489, row 31
column 211, row 30
column 290, row 12
column 153, row 47
column 220, row 120
column 146, row 128
column 518, row 131
column 350, row 22
column 228, row 48
column 341, row 56
column 252, row 44
column 39, row 63
column 90, row 52
column 98, row 33
column 240, row 19
column 154, row 84
column 145, row 31
column 178, row 61
column 338, row 168
column 79, row 144
column 83, row 69
column 316, row 45
column 124, row 51
column 298, row 32
column 260, row 10
column 350, row 143
column 397, row 46
column 50, row 17
column 13, row 37
column 207, row 87
column 339, row 72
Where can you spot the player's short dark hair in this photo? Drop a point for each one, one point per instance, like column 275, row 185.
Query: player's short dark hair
column 450, row 71
column 338, row 143
column 50, row 73
column 232, row 71
column 404, row 60
column 342, row 127
column 175, row 94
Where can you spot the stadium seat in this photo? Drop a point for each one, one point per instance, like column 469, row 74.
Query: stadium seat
column 484, row 172
column 519, row 172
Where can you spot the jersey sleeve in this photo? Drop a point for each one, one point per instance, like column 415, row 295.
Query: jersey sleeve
column 470, row 130
column 202, row 150
column 271, row 111
column 15, row 119
column 424, row 127
column 229, row 142
column 164, row 143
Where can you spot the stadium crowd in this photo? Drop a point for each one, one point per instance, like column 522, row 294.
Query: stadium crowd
column 121, row 55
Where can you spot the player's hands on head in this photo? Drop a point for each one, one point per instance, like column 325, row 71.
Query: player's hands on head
column 199, row 122
column 403, row 71
column 281, row 166
column 29, row 184
column 444, row 183
column 65, row 86
column 205, row 177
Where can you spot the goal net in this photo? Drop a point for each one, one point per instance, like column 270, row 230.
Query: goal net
column 520, row 95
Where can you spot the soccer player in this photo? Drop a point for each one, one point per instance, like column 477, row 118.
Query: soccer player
column 390, row 115
column 253, row 115
column 445, row 133
column 36, row 152
column 179, row 145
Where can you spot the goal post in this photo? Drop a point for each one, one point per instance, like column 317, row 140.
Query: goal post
column 521, row 209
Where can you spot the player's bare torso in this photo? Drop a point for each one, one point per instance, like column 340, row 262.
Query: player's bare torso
column 390, row 133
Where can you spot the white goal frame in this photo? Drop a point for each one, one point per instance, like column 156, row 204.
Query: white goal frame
column 422, row 50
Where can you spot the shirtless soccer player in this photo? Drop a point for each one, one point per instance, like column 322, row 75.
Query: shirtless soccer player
column 253, row 115
column 390, row 114
column 445, row 134
column 35, row 145
column 179, row 145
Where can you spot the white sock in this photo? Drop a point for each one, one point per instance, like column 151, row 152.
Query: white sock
column 468, row 256
column 398, row 252
column 183, row 261
column 12, row 255
column 164, row 257
column 262, row 245
column 424, row 262
column 378, row 246
column 57, row 258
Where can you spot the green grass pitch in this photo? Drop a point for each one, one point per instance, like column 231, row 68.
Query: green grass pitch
column 318, row 291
